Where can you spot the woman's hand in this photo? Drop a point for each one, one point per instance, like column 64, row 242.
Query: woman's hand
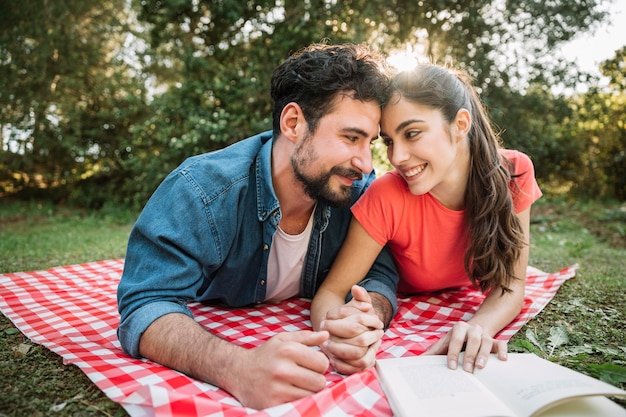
column 355, row 334
column 477, row 342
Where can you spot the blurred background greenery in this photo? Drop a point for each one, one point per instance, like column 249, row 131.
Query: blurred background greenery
column 99, row 100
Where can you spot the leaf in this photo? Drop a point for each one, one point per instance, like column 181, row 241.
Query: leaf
column 58, row 407
column 11, row 331
column 578, row 350
column 77, row 397
column 558, row 337
column 22, row 349
column 523, row 346
column 530, row 335
column 608, row 351
column 608, row 372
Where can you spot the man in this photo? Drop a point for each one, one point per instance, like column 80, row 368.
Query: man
column 261, row 221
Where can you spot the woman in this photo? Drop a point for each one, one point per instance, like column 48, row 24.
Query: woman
column 454, row 212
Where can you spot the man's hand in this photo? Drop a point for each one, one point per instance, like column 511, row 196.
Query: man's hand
column 478, row 345
column 355, row 333
column 283, row 369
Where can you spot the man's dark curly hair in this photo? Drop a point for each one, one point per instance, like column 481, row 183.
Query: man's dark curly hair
column 314, row 76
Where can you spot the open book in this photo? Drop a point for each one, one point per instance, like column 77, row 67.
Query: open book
column 523, row 386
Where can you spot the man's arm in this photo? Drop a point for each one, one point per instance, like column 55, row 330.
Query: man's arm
column 383, row 308
column 355, row 327
column 162, row 273
column 281, row 370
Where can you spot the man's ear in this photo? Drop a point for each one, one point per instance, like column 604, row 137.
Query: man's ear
column 463, row 123
column 292, row 122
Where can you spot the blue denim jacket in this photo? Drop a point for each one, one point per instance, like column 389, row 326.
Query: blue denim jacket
column 205, row 236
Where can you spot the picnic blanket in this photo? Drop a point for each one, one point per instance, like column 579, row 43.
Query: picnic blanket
column 72, row 310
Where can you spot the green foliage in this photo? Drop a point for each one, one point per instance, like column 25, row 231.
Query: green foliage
column 67, row 93
column 100, row 108
column 608, row 372
column 601, row 123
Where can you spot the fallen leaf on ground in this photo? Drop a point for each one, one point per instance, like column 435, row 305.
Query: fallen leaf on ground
column 22, row 349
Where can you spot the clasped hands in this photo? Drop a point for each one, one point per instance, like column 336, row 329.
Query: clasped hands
column 355, row 332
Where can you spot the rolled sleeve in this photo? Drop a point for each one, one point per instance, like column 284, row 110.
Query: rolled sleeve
column 372, row 285
column 132, row 327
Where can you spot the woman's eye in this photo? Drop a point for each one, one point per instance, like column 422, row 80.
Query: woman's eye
column 412, row 134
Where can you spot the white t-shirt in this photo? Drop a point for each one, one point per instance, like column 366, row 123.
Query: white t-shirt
column 284, row 268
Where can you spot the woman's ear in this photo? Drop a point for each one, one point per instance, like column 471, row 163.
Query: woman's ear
column 291, row 121
column 463, row 123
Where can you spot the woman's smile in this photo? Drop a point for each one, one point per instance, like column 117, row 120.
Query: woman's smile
column 412, row 173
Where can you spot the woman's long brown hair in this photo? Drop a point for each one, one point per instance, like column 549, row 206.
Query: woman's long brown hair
column 494, row 233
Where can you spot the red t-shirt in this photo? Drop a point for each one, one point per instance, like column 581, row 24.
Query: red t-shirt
column 427, row 239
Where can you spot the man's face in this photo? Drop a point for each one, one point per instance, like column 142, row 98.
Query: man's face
column 338, row 153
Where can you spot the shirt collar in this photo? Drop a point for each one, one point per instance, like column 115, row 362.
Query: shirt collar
column 267, row 202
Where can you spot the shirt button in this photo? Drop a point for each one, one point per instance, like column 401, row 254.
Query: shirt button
column 262, row 282
column 265, row 247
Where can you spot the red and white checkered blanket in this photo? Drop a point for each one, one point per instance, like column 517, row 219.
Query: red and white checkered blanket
column 72, row 310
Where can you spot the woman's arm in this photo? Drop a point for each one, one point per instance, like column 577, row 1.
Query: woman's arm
column 354, row 260
column 495, row 313
column 355, row 328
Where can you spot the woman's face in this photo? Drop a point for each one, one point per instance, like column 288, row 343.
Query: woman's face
column 424, row 148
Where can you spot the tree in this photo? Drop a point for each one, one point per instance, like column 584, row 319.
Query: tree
column 214, row 60
column 67, row 92
column 75, row 106
column 602, row 128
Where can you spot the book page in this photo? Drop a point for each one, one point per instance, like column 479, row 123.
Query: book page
column 529, row 384
column 424, row 386
column 596, row 406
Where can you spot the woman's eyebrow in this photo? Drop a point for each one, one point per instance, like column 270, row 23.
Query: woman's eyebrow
column 406, row 123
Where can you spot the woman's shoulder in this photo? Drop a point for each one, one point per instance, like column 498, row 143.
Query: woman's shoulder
column 388, row 184
column 389, row 178
column 523, row 186
column 387, row 187
column 519, row 160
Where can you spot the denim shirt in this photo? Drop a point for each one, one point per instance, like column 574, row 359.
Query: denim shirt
column 205, row 236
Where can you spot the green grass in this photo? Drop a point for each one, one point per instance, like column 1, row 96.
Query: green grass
column 583, row 327
column 37, row 236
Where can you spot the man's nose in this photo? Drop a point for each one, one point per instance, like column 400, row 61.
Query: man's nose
column 363, row 159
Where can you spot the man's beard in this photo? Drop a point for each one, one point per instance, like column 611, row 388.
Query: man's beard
column 318, row 188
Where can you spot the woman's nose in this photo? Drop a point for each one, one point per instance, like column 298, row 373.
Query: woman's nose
column 397, row 154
